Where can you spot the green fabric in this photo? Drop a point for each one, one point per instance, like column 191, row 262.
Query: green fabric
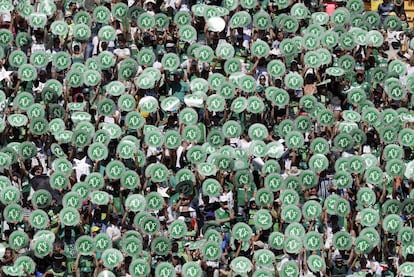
column 28, row 87
column 293, row 108
column 26, row 187
column 134, row 51
column 377, row 206
column 249, row 66
column 359, row 66
column 70, row 251
column 56, row 273
column 179, row 90
column 368, row 75
column 365, row 86
column 117, row 202
column 382, row 62
column 339, row 271
column 276, row 226
column 252, row 213
column 86, row 264
column 77, row 60
column 222, row 214
column 180, row 95
column 70, row 266
column 87, row 228
column 318, row 225
column 405, row 27
column 183, row 58
column 388, row 273
column 241, row 192
column 202, row 129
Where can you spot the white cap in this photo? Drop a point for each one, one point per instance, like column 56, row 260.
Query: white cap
column 223, row 199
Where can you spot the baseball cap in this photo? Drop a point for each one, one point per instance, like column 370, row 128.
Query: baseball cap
column 95, row 229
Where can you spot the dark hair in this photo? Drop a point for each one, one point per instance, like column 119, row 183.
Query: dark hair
column 36, row 168
column 309, row 79
column 121, row 38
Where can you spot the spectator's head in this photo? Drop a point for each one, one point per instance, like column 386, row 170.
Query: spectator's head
column 363, row 262
column 176, row 260
column 177, row 76
column 313, row 193
column 149, row 4
column 174, row 247
column 72, row 6
column 7, row 235
column 67, row 232
column 57, row 260
column 121, row 41
column 226, row 187
column 95, row 230
column 339, row 262
column 170, row 47
column 360, row 77
column 309, row 79
column 252, row 203
column 104, row 45
column 76, row 49
column 16, row 176
column 8, row 252
column 279, row 36
column 42, row 76
column 114, row 219
column 224, row 202
column 334, row 219
column 262, row 80
column 37, row 170
column 58, row 246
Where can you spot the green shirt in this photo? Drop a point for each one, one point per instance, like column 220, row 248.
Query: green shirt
column 318, row 226
column 365, row 86
column 388, row 273
column 339, row 271
column 223, row 214
column 241, row 192
column 179, row 90
column 252, row 214
column 86, row 264
column 57, row 272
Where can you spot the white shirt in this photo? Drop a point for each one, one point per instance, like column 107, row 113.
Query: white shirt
column 178, row 268
column 244, row 144
column 113, row 232
column 6, row 17
column 111, row 119
column 82, row 168
column 180, row 150
column 229, row 198
column 152, row 151
column 125, row 52
column 282, row 261
column 37, row 48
